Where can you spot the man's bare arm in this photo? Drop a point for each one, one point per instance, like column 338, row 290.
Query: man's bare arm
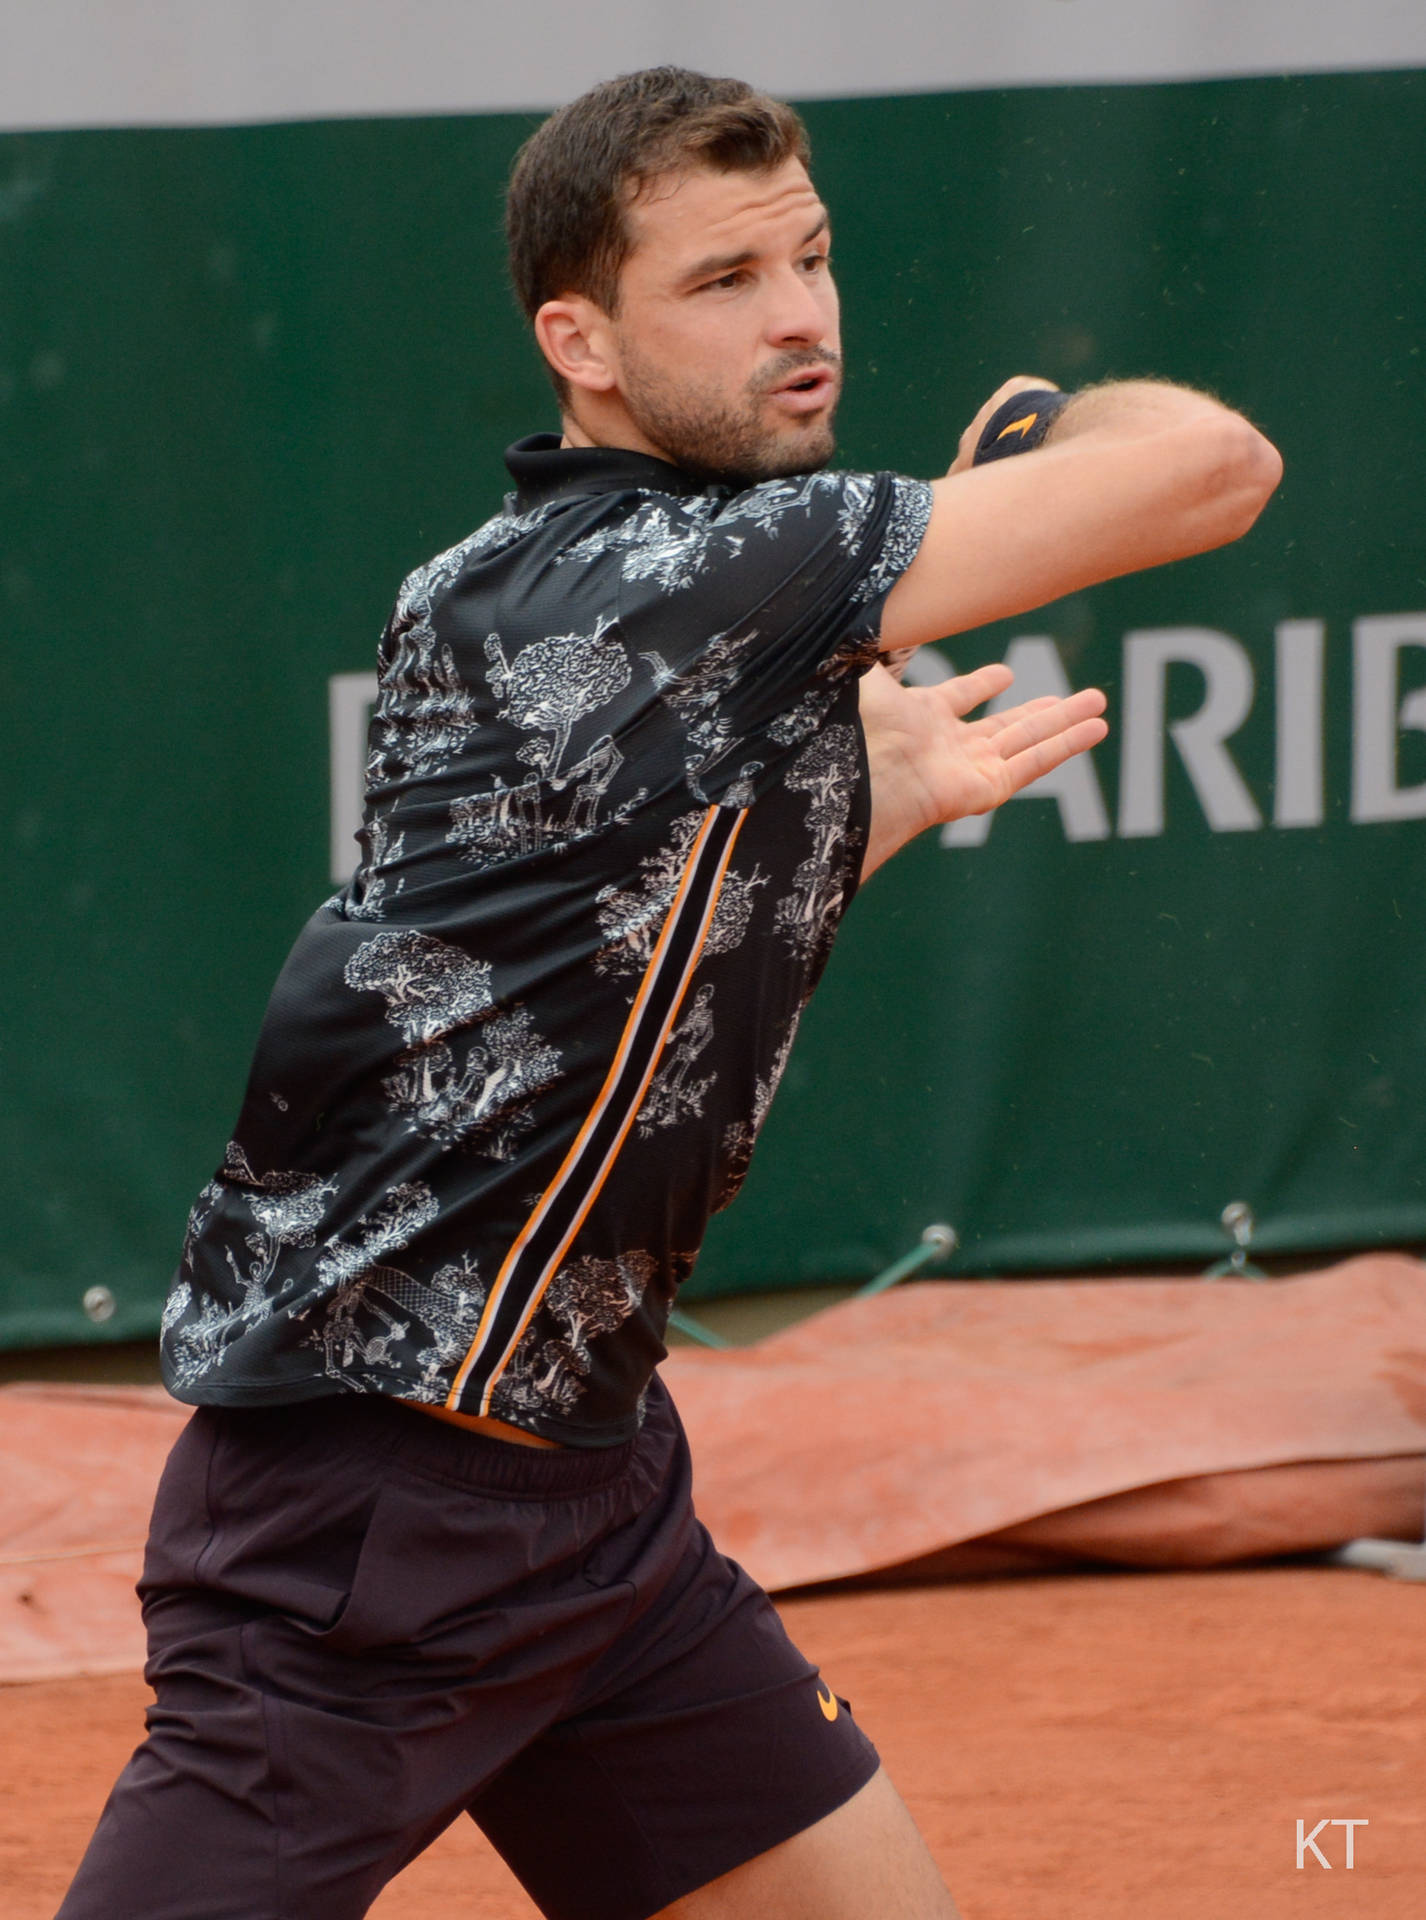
column 1131, row 475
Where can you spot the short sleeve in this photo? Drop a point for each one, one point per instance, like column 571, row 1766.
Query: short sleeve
column 810, row 560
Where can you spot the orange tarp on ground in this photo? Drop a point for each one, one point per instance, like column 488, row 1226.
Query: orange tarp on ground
column 887, row 1428
column 78, row 1467
column 964, row 1426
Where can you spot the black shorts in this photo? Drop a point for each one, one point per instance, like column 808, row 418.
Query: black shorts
column 364, row 1622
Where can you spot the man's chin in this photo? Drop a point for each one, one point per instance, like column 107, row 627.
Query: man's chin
column 806, row 452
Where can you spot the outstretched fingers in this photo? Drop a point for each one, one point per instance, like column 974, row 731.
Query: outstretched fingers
column 1045, row 735
column 993, row 723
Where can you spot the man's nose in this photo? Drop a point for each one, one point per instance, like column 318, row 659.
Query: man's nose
column 797, row 316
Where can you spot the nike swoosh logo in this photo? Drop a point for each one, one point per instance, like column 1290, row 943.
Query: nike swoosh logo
column 828, row 1704
column 1018, row 426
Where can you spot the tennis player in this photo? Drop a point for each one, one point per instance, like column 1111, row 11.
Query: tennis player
column 427, row 1545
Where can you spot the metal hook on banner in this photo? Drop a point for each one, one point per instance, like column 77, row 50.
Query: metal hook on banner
column 1238, row 1222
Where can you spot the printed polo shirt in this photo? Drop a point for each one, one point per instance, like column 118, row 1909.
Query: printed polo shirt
column 616, row 805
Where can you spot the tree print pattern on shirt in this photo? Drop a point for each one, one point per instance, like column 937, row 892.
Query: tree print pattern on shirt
column 371, row 887
column 508, row 822
column 194, row 1333
column 430, row 987
column 669, row 543
column 404, row 1211
column 630, row 918
column 674, row 1094
column 803, row 720
column 587, row 1298
column 740, row 1137
column 371, row 1314
column 547, row 689
column 767, row 507
column 288, row 1208
column 425, row 711
column 433, row 990
column 380, row 1322
column 698, row 694
column 827, row 771
column 199, row 1215
column 910, row 515
column 551, row 684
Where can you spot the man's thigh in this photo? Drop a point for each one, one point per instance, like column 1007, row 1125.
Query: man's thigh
column 865, row 1859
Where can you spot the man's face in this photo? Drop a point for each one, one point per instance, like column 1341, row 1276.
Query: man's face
column 727, row 334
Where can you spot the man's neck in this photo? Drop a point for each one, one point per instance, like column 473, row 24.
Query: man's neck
column 617, row 431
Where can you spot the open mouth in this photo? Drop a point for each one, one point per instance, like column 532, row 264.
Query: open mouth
column 807, row 390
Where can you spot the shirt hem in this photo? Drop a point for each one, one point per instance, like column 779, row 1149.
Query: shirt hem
column 257, row 1394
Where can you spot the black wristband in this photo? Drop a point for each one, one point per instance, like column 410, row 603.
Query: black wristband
column 1019, row 423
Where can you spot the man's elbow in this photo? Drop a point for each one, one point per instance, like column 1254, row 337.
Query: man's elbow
column 1240, row 473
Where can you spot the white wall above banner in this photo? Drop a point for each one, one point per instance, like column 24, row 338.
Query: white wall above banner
column 76, row 63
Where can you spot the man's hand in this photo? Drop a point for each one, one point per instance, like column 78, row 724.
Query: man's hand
column 929, row 764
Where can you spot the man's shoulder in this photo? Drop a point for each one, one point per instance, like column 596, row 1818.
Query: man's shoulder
column 502, row 530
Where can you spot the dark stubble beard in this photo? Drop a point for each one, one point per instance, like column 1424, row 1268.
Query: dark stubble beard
column 734, row 445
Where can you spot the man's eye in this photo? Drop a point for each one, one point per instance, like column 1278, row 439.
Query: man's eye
column 722, row 284
column 816, row 260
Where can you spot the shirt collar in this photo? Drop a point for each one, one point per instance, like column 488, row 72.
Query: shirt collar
column 544, row 470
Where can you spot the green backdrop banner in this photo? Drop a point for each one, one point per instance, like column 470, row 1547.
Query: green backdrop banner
column 248, row 377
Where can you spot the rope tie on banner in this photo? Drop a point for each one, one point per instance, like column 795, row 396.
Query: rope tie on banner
column 695, row 1329
column 937, row 1243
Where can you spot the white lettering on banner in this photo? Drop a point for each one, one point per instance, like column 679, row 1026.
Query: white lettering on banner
column 1380, row 716
column 1377, row 641
column 1298, row 800
column 1227, row 701
column 350, row 697
column 1074, row 787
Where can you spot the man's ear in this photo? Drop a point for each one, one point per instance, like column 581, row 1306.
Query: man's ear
column 575, row 337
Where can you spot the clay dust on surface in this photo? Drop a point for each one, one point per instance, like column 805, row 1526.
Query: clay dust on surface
column 1101, row 1745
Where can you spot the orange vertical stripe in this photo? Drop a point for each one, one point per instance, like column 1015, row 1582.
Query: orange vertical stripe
column 611, row 1078
column 552, row 1265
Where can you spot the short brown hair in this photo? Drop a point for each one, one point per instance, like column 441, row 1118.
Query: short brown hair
column 577, row 173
